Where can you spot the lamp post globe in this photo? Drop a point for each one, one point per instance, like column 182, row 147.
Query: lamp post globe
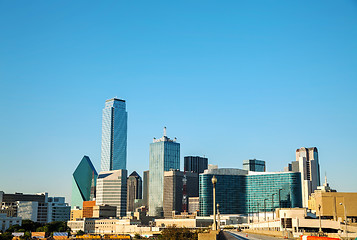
column 214, row 180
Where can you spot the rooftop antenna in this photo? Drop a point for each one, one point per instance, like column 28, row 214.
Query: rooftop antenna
column 165, row 132
column 325, row 179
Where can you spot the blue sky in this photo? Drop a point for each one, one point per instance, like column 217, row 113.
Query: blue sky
column 231, row 80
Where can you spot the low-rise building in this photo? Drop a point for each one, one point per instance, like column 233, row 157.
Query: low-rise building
column 76, row 214
column 6, row 222
column 104, row 211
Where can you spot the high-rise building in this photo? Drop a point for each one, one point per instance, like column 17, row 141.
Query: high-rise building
column 254, row 165
column 114, row 135
column 307, row 163
column 134, row 190
column 83, row 182
column 195, row 164
column 146, row 189
column 241, row 192
column 164, row 155
column 111, row 190
column 174, row 190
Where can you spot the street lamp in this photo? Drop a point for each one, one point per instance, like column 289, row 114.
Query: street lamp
column 280, row 198
column 272, row 203
column 265, row 210
column 320, row 230
column 344, row 208
column 214, row 181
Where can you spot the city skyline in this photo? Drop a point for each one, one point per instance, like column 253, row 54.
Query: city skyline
column 232, row 82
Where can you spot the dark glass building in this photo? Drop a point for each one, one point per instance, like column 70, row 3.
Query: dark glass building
column 195, row 164
column 238, row 192
column 134, row 190
column 254, row 165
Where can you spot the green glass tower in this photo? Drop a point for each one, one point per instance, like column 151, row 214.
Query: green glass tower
column 164, row 155
column 83, row 182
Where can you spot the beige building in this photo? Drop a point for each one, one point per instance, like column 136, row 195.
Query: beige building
column 104, row 211
column 331, row 207
column 76, row 214
column 111, row 226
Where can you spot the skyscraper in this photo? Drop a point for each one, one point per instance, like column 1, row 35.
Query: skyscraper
column 83, row 182
column 134, row 190
column 111, row 190
column 114, row 135
column 307, row 163
column 195, row 164
column 164, row 155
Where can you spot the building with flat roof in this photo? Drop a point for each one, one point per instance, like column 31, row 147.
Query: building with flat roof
column 195, row 164
column 111, row 190
column 88, row 209
column 164, row 155
column 254, row 165
column 146, row 189
column 114, row 135
column 104, row 211
column 332, row 204
column 84, row 181
column 174, row 190
column 241, row 192
column 6, row 222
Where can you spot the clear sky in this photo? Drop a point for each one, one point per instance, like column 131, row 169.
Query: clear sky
column 232, row 80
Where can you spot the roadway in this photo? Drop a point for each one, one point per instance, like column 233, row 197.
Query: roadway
column 232, row 235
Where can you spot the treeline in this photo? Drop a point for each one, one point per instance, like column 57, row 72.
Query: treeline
column 29, row 226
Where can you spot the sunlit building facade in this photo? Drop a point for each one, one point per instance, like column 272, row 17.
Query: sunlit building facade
column 112, row 190
column 240, row 192
column 114, row 135
column 164, row 155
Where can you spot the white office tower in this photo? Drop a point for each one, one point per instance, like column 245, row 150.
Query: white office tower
column 114, row 135
column 307, row 163
column 111, row 190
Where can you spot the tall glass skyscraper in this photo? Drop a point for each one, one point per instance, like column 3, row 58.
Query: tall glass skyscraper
column 83, row 182
column 114, row 135
column 164, row 155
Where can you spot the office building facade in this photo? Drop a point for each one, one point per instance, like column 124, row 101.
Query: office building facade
column 134, row 190
column 164, row 155
column 307, row 163
column 254, row 165
column 114, row 135
column 84, row 181
column 174, row 190
column 195, row 164
column 112, row 190
column 241, row 192
column 146, row 189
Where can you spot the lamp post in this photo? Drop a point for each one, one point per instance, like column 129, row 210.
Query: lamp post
column 214, row 181
column 258, row 210
column 320, row 230
column 272, row 203
column 344, row 208
column 265, row 210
